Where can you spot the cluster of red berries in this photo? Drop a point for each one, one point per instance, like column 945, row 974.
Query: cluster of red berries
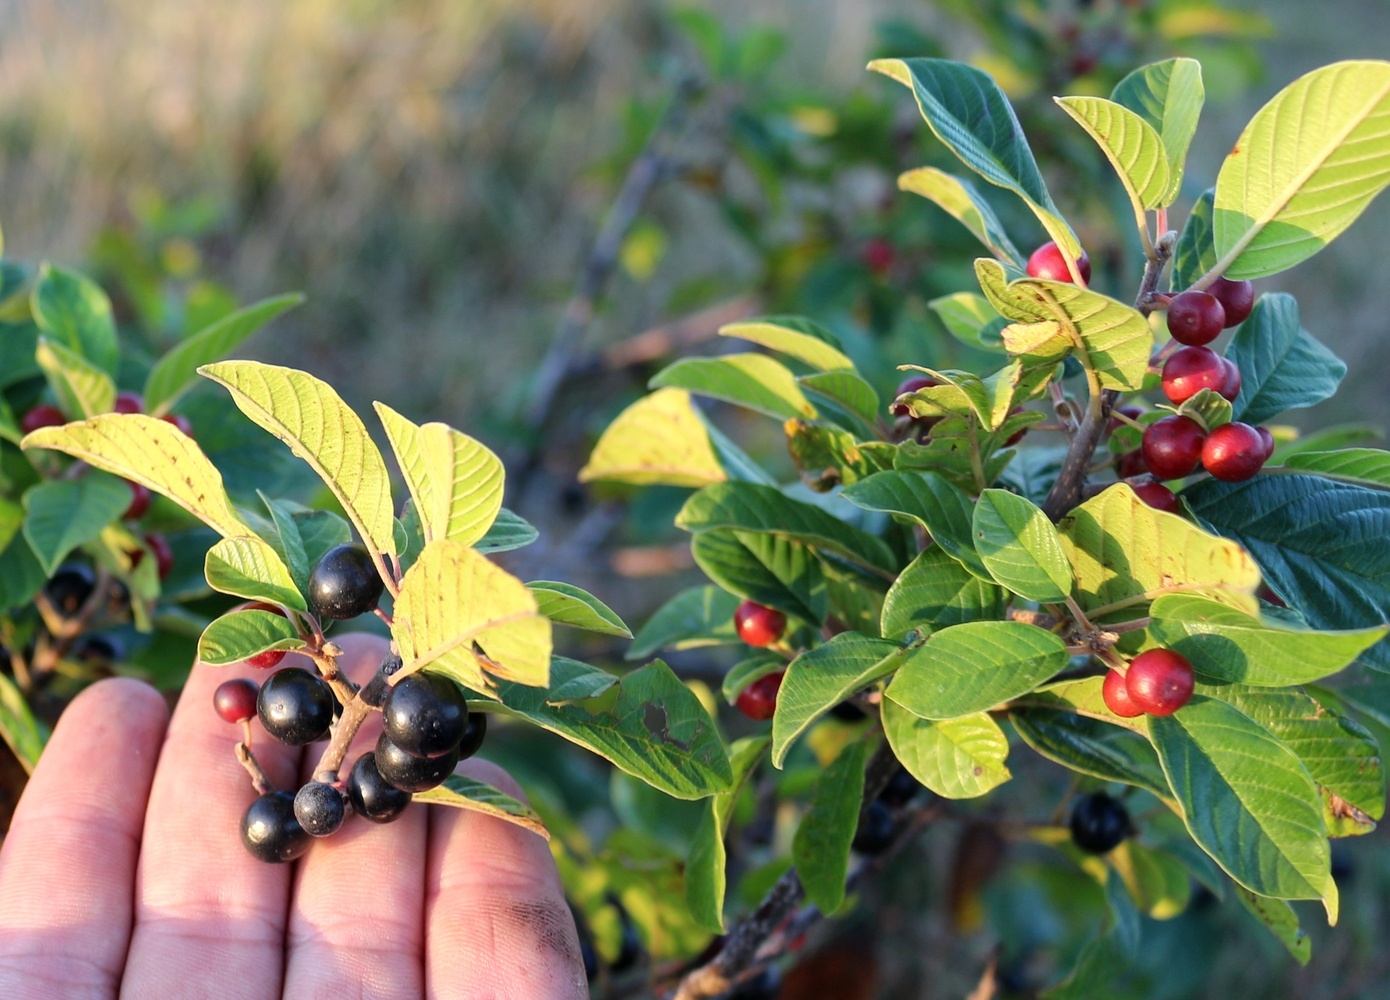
column 426, row 730
column 759, row 626
column 1157, row 682
column 47, row 415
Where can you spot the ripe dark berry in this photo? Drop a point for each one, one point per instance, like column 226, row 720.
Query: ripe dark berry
column 100, row 649
column 1237, row 298
column 295, row 706
column 410, row 773
column 235, row 700
column 902, row 787
column 1192, row 369
column 1173, row 446
column 1196, row 318
column 1048, row 262
column 179, row 421
column 42, row 415
column 163, row 555
column 425, row 715
column 910, row 384
column 270, row 831
column 1158, row 496
column 1159, row 681
column 72, row 584
column 372, row 796
column 1233, row 452
column 1099, row 824
column 344, row 583
column 758, row 625
column 129, row 402
column 139, row 502
column 1116, row 696
column 758, row 700
column 1230, row 386
column 876, row 829
column 473, row 736
column 320, row 809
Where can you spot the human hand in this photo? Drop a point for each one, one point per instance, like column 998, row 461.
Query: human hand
column 123, row 874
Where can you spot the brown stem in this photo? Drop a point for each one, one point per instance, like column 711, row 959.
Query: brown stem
column 259, row 780
column 355, row 712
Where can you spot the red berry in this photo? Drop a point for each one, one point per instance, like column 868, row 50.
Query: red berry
column 1268, row 439
column 1192, row 369
column 1230, row 388
column 1173, row 446
column 163, row 555
column 1116, row 696
column 42, row 415
column 139, row 502
column 235, row 700
column 910, row 384
column 1159, row 681
column 1237, row 298
column 1158, row 496
column 758, row 625
column 179, row 421
column 878, row 255
column 129, row 402
column 265, row 661
column 1049, row 263
column 1233, row 452
column 758, row 700
column 1196, row 318
column 1131, row 464
column 1017, row 435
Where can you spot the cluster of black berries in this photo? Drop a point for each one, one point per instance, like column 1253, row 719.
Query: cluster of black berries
column 427, row 728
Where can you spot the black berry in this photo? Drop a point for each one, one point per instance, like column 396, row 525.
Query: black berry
column 270, row 831
column 1099, row 823
column 876, row 829
column 472, row 740
column 320, row 809
column 70, row 587
column 425, row 715
column 372, row 796
column 901, row 788
column 344, row 583
column 295, row 706
column 410, row 773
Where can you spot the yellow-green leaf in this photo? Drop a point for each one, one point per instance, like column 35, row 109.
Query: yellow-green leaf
column 1169, row 96
column 1131, row 145
column 958, row 198
column 795, row 337
column 248, row 567
column 753, row 380
column 82, row 388
column 659, row 439
column 462, row 792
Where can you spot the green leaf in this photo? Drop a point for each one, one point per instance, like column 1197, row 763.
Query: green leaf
column 945, row 511
column 24, row 734
column 1169, row 96
column 1093, row 747
column 1195, row 253
column 1113, row 338
column 846, row 390
column 935, row 591
column 1360, row 466
column 1124, row 554
column 750, row 507
column 826, row 457
column 969, row 317
column 66, row 513
column 1133, row 147
column 700, row 616
column 82, row 389
column 1281, row 920
column 151, row 452
column 174, row 373
column 289, row 541
column 11, row 520
column 1282, row 366
column 1230, row 645
column 1320, row 543
column 968, row 668
column 455, row 481
column 970, row 114
column 958, row 198
column 241, row 635
column 566, row 604
column 820, row 849
column 249, row 567
column 572, row 680
column 1109, row 953
column 777, row 572
column 753, row 380
column 509, row 531
column 795, row 337
column 1304, row 169
column 1158, row 882
column 655, row 730
column 76, row 312
column 704, row 868
column 1020, row 547
column 21, row 576
column 1082, row 696
column 956, row 758
column 462, row 792
column 1246, row 799
column 761, row 664
column 821, row 678
column 306, row 414
column 1208, row 407
column 660, row 439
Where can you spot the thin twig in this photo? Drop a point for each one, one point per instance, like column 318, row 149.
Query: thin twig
column 259, row 780
column 355, row 712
